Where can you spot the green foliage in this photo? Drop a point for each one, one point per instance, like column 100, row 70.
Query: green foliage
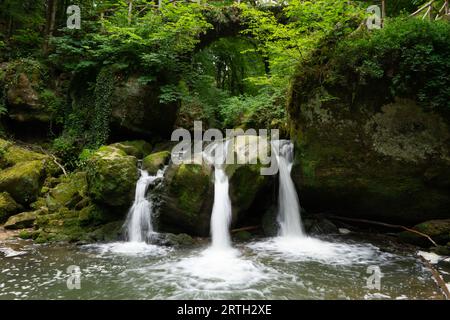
column 53, row 104
column 260, row 111
column 412, row 54
column 308, row 23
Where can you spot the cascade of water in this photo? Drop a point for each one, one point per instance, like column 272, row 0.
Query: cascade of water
column 288, row 203
column 216, row 154
column 138, row 225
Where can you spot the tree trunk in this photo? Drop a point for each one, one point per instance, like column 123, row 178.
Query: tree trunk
column 130, row 10
column 52, row 7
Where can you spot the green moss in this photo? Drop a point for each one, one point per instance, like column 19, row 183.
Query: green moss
column 28, row 234
column 112, row 176
column 190, row 184
column 17, row 154
column 246, row 181
column 155, row 161
column 71, row 190
column 136, row 148
column 23, row 181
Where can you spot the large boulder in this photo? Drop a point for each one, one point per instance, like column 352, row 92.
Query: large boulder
column 137, row 110
column 68, row 193
column 371, row 128
column 23, row 171
column 186, row 199
column 11, row 154
column 251, row 193
column 112, row 176
column 188, row 192
column 392, row 164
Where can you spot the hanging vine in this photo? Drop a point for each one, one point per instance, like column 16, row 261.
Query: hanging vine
column 103, row 92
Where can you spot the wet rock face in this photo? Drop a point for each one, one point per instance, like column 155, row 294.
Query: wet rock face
column 390, row 162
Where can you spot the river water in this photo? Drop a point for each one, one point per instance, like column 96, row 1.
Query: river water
column 276, row 268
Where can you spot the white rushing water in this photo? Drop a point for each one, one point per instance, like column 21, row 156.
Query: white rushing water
column 216, row 154
column 288, row 202
column 138, row 224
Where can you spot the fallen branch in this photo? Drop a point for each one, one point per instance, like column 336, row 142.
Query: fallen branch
column 245, row 229
column 437, row 276
column 383, row 224
column 58, row 164
column 55, row 160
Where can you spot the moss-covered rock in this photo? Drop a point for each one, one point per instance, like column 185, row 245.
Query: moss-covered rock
column 21, row 220
column 8, row 206
column 28, row 99
column 23, row 181
column 11, row 154
column 155, row 161
column 68, row 193
column 438, row 230
column 362, row 148
column 136, row 148
column 251, row 193
column 187, row 199
column 188, row 192
column 112, row 176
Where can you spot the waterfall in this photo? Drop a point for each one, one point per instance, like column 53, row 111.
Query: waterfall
column 138, row 225
column 221, row 214
column 288, row 203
